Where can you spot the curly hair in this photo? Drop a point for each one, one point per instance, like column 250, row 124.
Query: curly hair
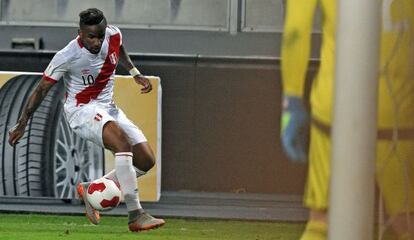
column 91, row 16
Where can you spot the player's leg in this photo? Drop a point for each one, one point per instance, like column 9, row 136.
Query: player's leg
column 395, row 177
column 143, row 160
column 316, row 192
column 316, row 227
column 87, row 122
column 91, row 213
column 116, row 140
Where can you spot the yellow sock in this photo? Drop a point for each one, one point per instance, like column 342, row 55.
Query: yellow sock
column 315, row 230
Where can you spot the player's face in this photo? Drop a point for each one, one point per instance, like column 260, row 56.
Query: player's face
column 92, row 37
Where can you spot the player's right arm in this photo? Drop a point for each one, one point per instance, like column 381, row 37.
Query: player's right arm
column 295, row 56
column 35, row 99
column 296, row 45
column 57, row 67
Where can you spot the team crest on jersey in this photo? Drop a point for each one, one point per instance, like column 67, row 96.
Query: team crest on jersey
column 113, row 58
column 85, row 71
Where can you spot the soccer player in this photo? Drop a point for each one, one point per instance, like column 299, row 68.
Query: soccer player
column 395, row 144
column 87, row 67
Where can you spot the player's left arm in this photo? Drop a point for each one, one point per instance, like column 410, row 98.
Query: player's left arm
column 127, row 64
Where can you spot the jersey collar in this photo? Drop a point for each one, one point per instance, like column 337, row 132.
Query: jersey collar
column 79, row 42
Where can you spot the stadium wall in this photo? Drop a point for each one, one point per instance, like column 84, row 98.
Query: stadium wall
column 220, row 129
column 149, row 41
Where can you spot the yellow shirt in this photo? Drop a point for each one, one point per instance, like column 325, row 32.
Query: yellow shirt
column 396, row 94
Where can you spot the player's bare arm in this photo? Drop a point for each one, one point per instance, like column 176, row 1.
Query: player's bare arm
column 35, row 99
column 126, row 63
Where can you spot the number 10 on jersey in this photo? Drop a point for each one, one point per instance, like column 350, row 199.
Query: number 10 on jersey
column 88, row 80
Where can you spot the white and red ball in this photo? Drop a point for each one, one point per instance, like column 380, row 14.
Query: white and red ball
column 103, row 194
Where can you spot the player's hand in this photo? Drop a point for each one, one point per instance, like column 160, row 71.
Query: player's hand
column 295, row 125
column 145, row 82
column 15, row 133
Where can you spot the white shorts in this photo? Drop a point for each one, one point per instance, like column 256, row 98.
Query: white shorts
column 88, row 120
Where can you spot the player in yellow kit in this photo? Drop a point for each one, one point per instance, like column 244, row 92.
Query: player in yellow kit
column 395, row 145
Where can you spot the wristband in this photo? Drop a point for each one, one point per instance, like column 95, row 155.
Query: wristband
column 134, row 72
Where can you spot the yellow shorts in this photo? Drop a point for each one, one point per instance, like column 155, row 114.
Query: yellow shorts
column 394, row 172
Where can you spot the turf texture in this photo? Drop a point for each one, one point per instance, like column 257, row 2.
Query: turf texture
column 44, row 227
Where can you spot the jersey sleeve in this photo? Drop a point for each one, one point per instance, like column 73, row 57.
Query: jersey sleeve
column 296, row 45
column 56, row 68
column 115, row 30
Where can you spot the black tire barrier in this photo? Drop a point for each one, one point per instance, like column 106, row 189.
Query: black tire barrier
column 49, row 159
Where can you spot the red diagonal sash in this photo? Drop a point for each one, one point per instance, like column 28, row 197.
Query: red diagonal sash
column 92, row 91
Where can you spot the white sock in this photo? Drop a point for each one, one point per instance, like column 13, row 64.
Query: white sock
column 112, row 175
column 126, row 175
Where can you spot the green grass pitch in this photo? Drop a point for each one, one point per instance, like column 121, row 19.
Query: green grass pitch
column 44, row 227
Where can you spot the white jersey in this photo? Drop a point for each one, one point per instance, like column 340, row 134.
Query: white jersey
column 88, row 77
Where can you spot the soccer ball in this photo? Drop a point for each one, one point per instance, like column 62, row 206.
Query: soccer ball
column 103, row 194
